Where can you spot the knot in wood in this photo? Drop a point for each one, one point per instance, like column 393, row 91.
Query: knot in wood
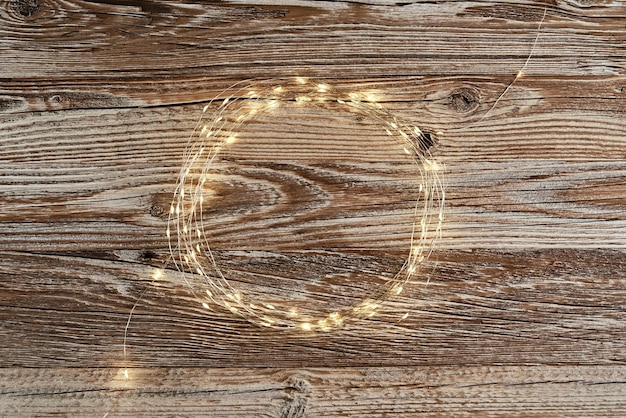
column 427, row 140
column 299, row 384
column 464, row 99
column 25, row 8
column 156, row 211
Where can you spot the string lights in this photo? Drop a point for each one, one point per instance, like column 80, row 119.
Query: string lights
column 229, row 115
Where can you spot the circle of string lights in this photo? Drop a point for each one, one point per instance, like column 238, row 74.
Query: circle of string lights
column 238, row 106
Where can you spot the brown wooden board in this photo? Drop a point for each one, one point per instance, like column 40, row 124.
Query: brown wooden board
column 524, row 313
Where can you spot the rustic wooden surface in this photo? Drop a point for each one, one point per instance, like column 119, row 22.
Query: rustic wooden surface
column 525, row 312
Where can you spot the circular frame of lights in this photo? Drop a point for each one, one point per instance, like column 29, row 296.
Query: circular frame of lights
column 236, row 107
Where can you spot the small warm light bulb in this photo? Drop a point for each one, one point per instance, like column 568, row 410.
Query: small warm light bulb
column 322, row 88
column 158, row 273
column 231, row 139
column 306, row 326
column 371, row 97
column 431, row 165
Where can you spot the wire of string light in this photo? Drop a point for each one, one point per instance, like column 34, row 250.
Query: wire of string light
column 231, row 112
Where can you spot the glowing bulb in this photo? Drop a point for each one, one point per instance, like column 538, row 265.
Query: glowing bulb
column 306, row 326
column 231, row 139
column 158, row 273
column 371, row 97
column 431, row 165
column 322, row 88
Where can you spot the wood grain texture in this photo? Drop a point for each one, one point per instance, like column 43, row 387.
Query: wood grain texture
column 525, row 311
column 373, row 391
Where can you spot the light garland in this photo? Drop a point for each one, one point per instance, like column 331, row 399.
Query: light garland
column 239, row 105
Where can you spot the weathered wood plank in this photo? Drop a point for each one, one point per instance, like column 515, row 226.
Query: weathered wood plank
column 83, row 54
column 104, row 179
column 480, row 308
column 495, row 391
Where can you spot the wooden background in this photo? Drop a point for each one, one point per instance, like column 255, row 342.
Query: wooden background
column 526, row 307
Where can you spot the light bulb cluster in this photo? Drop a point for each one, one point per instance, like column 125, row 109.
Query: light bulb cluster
column 237, row 107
